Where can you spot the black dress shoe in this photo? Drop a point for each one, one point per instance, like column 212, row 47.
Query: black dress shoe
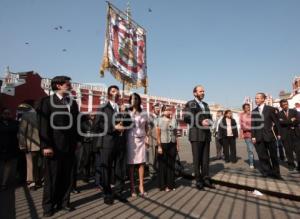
column 207, row 183
column 200, row 185
column 68, row 208
column 108, row 200
column 75, row 191
column 48, row 214
column 121, row 197
column 277, row 176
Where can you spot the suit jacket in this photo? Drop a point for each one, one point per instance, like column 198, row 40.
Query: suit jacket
column 287, row 126
column 52, row 117
column 105, row 124
column 263, row 127
column 194, row 115
column 9, row 141
column 223, row 128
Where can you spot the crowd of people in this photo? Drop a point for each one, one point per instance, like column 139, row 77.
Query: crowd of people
column 120, row 142
column 273, row 132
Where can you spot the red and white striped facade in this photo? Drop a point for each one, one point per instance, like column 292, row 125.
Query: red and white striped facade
column 19, row 87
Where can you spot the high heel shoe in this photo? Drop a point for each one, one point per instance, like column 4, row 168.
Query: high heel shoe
column 143, row 194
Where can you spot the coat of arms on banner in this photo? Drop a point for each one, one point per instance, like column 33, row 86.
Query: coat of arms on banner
column 125, row 50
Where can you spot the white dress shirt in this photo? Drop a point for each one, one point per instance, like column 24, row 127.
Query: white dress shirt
column 60, row 97
column 114, row 106
column 200, row 104
column 261, row 108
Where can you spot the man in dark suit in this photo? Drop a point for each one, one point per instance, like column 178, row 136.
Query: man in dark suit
column 263, row 120
column 57, row 121
column 197, row 115
column 111, row 145
column 290, row 133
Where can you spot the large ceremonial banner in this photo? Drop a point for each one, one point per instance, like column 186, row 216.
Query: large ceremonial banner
column 125, row 50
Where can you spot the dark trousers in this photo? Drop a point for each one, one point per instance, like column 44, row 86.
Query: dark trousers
column 280, row 149
column 21, row 168
column 58, row 180
column 98, row 169
column 267, row 155
column 88, row 159
column 8, row 169
column 200, row 152
column 229, row 147
column 166, row 166
column 291, row 146
column 218, row 143
column 119, row 165
column 107, row 156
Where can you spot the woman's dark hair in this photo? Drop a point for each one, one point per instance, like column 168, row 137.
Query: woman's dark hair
column 245, row 104
column 59, row 80
column 226, row 112
column 138, row 99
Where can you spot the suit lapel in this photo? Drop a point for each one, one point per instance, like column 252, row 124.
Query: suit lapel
column 205, row 107
column 256, row 113
column 289, row 114
column 110, row 106
column 197, row 105
column 264, row 110
column 59, row 102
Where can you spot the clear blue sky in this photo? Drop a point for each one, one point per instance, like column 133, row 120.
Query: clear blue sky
column 233, row 47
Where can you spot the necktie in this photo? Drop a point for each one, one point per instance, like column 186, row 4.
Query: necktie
column 286, row 113
column 201, row 105
column 65, row 100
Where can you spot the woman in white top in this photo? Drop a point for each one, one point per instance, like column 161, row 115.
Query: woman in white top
column 167, row 149
column 229, row 133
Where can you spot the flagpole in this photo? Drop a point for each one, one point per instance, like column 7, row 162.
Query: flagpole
column 125, row 15
column 123, row 90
